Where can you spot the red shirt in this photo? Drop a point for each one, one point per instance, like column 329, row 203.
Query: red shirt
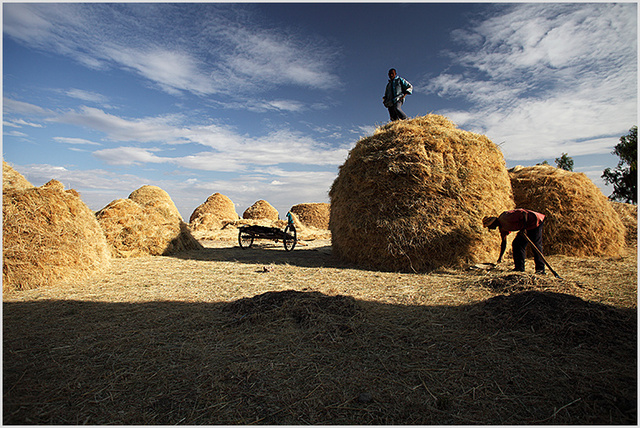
column 511, row 221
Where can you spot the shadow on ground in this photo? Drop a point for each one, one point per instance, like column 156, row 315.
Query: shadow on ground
column 268, row 253
column 307, row 358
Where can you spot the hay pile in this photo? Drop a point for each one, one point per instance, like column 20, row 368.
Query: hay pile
column 261, row 210
column 49, row 236
column 313, row 214
column 155, row 197
column 629, row 216
column 212, row 213
column 12, row 179
column 580, row 219
column 412, row 197
column 151, row 228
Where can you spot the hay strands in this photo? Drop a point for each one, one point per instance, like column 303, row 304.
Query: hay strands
column 542, row 256
column 482, row 266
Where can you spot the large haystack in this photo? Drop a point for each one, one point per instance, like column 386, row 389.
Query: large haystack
column 12, row 179
column 261, row 210
column 412, row 197
column 155, row 197
column 629, row 216
column 49, row 236
column 211, row 214
column 313, row 214
column 135, row 230
column 580, row 220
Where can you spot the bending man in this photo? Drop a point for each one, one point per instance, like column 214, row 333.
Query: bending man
column 524, row 221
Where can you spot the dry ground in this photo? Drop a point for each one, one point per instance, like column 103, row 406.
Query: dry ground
column 232, row 336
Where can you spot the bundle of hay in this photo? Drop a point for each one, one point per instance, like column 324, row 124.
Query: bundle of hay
column 135, row 230
column 212, row 213
column 580, row 220
column 155, row 197
column 261, row 210
column 412, row 197
column 313, row 214
column 629, row 216
column 49, row 236
column 12, row 179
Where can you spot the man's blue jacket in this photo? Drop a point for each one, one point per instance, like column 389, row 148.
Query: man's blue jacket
column 395, row 89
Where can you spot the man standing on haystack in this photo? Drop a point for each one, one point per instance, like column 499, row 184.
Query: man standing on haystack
column 394, row 94
column 524, row 221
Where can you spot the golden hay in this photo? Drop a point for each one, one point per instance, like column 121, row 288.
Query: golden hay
column 54, row 184
column 211, row 213
column 412, row 197
column 12, row 179
column 155, row 197
column 313, row 214
column 629, row 216
column 49, row 236
column 134, row 230
column 580, row 220
column 261, row 210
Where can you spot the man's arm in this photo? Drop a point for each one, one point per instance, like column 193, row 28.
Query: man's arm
column 503, row 246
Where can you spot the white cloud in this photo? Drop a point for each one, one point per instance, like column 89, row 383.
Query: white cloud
column 86, row 95
column 120, row 129
column 76, row 141
column 15, row 134
column 19, row 107
column 19, row 123
column 231, row 151
column 219, row 56
column 128, row 156
column 547, row 78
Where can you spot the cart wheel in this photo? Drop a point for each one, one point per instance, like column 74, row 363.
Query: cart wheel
column 245, row 239
column 291, row 238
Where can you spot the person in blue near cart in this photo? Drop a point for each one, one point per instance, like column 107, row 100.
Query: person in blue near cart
column 394, row 94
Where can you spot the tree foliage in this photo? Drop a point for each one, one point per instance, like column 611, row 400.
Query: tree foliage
column 624, row 177
column 565, row 162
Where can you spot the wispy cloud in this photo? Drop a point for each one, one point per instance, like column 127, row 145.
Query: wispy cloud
column 546, row 78
column 86, row 96
column 75, row 141
column 13, row 106
column 220, row 56
column 229, row 151
column 19, row 123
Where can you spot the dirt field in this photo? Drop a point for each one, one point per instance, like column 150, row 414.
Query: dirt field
column 262, row 336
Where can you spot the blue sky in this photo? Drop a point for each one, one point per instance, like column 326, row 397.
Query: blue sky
column 264, row 101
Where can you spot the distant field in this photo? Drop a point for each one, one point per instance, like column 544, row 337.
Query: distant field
column 232, row 336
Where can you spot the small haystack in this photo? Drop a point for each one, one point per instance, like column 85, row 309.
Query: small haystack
column 155, row 197
column 12, row 179
column 580, row 219
column 313, row 214
column 261, row 210
column 49, row 236
column 412, row 197
column 629, row 216
column 135, row 230
column 212, row 213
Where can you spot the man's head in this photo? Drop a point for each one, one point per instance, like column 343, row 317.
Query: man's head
column 490, row 222
column 392, row 73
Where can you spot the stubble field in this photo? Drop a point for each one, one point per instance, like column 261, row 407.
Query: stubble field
column 263, row 336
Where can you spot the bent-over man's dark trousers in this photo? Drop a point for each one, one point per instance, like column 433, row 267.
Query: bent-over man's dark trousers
column 520, row 249
column 396, row 113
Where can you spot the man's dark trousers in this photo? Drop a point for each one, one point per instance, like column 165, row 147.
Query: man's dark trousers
column 520, row 249
column 395, row 112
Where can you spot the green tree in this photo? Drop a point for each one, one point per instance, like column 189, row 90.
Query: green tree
column 625, row 176
column 565, row 162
